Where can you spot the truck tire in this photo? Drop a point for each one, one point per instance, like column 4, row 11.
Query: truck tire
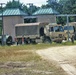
column 9, row 40
column 59, row 41
column 47, row 40
column 32, row 41
column 72, row 39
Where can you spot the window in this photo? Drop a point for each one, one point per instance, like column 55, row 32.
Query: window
column 30, row 20
column 51, row 29
column 61, row 28
column 58, row 29
column 68, row 28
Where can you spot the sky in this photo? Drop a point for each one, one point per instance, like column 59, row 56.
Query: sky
column 35, row 2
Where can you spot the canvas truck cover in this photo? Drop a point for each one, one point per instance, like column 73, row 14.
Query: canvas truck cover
column 28, row 29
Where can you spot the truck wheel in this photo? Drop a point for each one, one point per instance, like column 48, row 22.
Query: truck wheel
column 9, row 40
column 27, row 41
column 59, row 41
column 32, row 41
column 47, row 40
column 72, row 39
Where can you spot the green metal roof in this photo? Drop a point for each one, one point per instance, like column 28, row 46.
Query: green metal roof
column 45, row 11
column 14, row 12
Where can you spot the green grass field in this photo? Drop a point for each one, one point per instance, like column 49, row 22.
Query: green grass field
column 23, row 60
column 35, row 46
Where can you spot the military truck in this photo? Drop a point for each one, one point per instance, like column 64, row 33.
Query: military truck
column 55, row 31
column 41, row 32
column 73, row 24
column 30, row 32
column 58, row 33
column 69, row 32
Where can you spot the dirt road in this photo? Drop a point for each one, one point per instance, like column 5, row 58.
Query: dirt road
column 64, row 56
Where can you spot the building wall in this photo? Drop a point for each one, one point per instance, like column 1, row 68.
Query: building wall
column 46, row 18
column 9, row 24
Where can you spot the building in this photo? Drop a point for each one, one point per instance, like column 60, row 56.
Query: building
column 11, row 17
column 46, row 15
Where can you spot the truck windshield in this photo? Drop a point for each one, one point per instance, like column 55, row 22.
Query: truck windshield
column 56, row 29
column 68, row 28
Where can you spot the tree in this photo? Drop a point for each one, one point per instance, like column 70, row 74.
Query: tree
column 69, row 7
column 14, row 4
column 62, row 2
column 51, row 1
column 32, row 8
column 54, row 4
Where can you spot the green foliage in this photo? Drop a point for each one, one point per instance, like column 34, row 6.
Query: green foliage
column 53, row 4
column 31, row 9
column 62, row 2
column 56, row 6
column 60, row 20
column 14, row 4
column 0, row 27
column 63, row 7
column 0, row 30
column 69, row 7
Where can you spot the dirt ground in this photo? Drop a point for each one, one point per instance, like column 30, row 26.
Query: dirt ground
column 64, row 56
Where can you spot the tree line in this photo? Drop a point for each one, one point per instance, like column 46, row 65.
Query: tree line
column 62, row 6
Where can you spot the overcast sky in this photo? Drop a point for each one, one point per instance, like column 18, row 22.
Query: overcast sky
column 35, row 2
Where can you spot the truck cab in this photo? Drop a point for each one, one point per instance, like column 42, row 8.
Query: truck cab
column 69, row 31
column 56, row 32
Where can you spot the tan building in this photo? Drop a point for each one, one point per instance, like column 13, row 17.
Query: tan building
column 14, row 16
column 11, row 17
column 46, row 15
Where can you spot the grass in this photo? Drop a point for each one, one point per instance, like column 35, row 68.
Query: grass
column 36, row 46
column 26, row 55
column 34, row 65
column 24, row 52
column 17, row 56
column 25, row 47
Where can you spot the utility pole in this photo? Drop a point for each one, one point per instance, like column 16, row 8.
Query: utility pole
column 1, row 4
column 30, row 6
column 68, row 26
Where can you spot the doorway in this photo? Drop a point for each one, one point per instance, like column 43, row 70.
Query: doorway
column 41, row 31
